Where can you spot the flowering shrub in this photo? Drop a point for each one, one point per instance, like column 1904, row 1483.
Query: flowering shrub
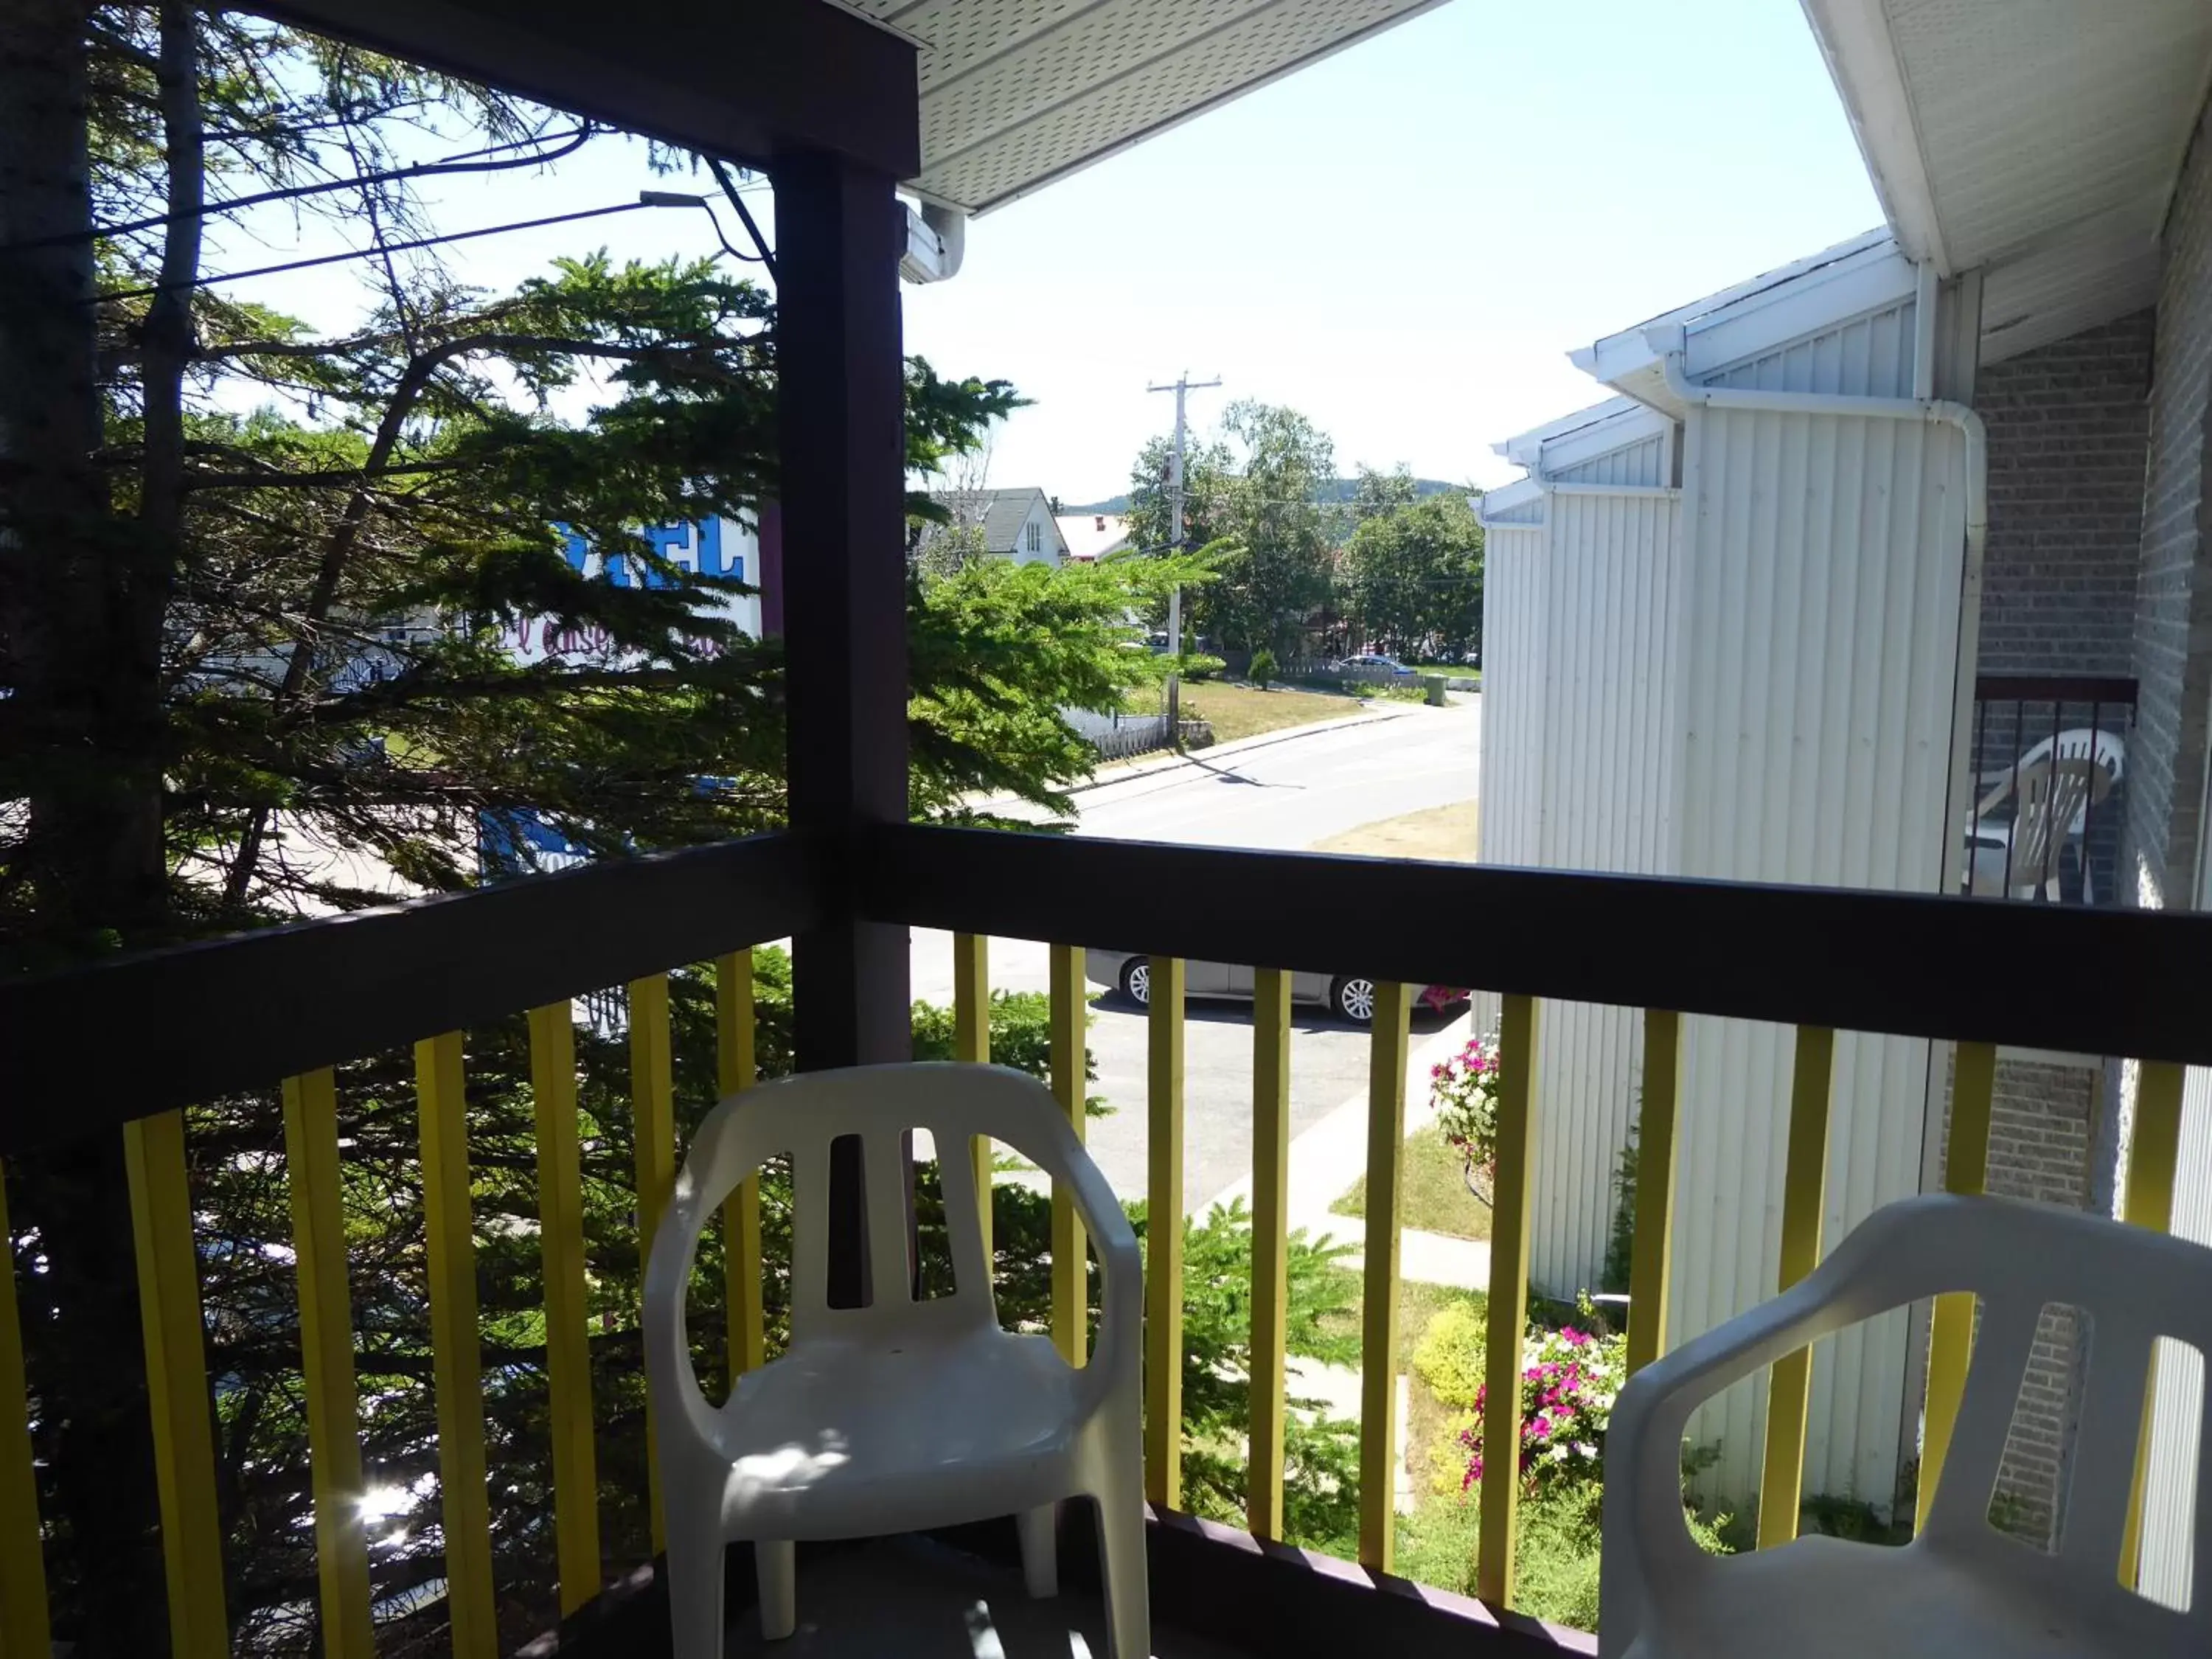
column 1464, row 1089
column 1569, row 1380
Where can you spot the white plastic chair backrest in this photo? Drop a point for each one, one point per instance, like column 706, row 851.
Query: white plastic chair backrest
column 2134, row 1284
column 802, row 1115
column 2050, row 792
column 2104, row 750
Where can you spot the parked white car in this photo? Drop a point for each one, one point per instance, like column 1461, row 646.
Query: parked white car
column 1351, row 995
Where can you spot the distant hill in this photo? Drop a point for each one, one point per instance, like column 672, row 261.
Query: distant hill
column 1338, row 489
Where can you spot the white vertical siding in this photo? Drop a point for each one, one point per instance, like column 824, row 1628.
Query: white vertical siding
column 1608, row 765
column 1514, row 610
column 1820, row 654
column 1868, row 357
column 2169, row 1547
column 1579, row 623
column 1509, row 788
column 1642, row 464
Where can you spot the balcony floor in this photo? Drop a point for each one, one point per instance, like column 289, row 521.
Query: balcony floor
column 908, row 1598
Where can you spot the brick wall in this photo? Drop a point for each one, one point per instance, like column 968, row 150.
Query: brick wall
column 2067, row 425
column 2173, row 594
column 2041, row 1119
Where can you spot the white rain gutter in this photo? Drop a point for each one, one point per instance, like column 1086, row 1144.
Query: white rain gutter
column 1924, row 333
column 1937, row 411
column 936, row 241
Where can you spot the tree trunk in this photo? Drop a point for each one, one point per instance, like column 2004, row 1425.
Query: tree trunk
column 81, row 599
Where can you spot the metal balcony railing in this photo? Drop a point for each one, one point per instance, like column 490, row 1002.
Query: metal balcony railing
column 291, row 1005
column 2049, row 758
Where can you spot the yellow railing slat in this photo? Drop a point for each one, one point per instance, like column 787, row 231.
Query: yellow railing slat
column 736, row 1067
column 1512, row 1190
column 2153, row 1153
column 567, row 1336
column 310, row 1151
column 1270, row 1206
column 1071, row 1295
column 24, row 1632
column 653, row 1110
column 971, row 1046
column 1804, row 1194
column 1387, row 1056
column 177, row 1383
column 1951, row 1333
column 1651, row 1261
column 456, row 1344
column 1163, row 1237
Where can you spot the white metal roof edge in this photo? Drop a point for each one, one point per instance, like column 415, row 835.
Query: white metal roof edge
column 1855, row 40
column 1526, row 448
column 1505, row 498
column 1636, row 424
column 1773, row 309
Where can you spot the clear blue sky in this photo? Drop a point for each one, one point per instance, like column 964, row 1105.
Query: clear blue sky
column 1402, row 241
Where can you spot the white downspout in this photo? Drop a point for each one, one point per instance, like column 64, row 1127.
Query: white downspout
column 1936, row 410
column 1924, row 333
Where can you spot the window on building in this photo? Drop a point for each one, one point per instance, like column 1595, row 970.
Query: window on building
column 1036, row 537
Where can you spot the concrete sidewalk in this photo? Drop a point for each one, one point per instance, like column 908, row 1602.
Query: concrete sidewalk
column 1328, row 1158
column 1325, row 1161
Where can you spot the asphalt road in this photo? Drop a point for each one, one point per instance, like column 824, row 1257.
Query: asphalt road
column 1283, row 795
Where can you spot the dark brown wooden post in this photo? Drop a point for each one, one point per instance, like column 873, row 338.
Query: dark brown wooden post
column 839, row 375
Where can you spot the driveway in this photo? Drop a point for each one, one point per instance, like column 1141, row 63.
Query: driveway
column 1282, row 792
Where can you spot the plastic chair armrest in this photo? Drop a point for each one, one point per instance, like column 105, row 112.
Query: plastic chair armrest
column 1121, row 1274
column 1646, row 1535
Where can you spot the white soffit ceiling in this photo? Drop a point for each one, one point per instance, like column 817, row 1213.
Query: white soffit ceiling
column 2036, row 139
column 1016, row 94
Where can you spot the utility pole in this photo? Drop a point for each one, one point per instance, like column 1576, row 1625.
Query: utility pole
column 1183, row 387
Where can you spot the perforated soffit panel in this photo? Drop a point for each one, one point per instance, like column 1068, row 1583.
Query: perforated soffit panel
column 1018, row 93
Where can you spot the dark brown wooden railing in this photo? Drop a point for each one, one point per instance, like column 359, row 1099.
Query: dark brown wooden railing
column 288, row 1005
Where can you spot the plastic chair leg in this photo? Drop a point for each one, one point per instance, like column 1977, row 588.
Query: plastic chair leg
column 1121, row 1571
column 695, row 1590
column 1040, row 1529
column 775, row 1563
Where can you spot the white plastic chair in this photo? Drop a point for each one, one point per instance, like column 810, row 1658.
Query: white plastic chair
column 904, row 1414
column 1960, row 1589
column 2053, row 786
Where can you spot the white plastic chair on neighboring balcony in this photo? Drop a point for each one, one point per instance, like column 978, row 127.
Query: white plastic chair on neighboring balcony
column 2053, row 786
column 904, row 1414
column 1960, row 1589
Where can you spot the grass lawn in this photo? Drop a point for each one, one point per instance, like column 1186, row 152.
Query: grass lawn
column 1445, row 833
column 1416, row 1304
column 1433, row 1196
column 1245, row 711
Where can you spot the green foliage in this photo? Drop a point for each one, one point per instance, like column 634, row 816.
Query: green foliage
column 1021, row 1037
column 998, row 649
column 1841, row 1515
column 1555, row 1551
column 1449, row 1356
column 1252, row 507
column 1262, row 671
column 289, row 581
column 1621, row 1239
column 1414, row 576
column 1321, row 1479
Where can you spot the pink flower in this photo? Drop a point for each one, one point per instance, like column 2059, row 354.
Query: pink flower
column 1573, row 1338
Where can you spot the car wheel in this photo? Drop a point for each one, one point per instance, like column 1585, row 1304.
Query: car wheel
column 1137, row 982
column 1354, row 998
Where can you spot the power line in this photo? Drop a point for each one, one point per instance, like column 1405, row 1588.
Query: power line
column 647, row 199
column 572, row 143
